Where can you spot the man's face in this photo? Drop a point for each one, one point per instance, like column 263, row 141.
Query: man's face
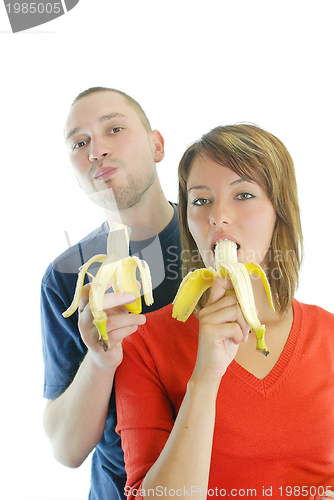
column 112, row 154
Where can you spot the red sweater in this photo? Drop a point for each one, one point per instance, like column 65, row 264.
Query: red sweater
column 275, row 434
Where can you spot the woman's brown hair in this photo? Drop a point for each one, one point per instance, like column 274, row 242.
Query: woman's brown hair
column 258, row 156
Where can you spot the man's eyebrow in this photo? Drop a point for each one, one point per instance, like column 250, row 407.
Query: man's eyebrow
column 71, row 132
column 102, row 119
column 109, row 117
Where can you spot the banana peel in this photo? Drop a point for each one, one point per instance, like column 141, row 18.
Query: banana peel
column 118, row 268
column 195, row 283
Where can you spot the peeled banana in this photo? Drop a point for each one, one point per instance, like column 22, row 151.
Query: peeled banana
column 195, row 283
column 119, row 269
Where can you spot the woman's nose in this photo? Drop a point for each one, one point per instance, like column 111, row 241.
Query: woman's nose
column 214, row 223
column 220, row 216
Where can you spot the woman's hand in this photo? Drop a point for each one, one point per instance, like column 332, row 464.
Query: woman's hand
column 221, row 329
column 120, row 324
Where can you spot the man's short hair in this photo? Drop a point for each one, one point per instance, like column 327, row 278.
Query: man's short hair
column 134, row 104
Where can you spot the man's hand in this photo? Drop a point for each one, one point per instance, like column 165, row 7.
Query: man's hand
column 120, row 324
column 75, row 421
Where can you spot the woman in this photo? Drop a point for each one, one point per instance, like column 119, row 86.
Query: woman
column 200, row 412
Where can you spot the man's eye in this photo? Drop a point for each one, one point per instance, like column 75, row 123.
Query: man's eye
column 200, row 201
column 79, row 144
column 244, row 196
column 115, row 130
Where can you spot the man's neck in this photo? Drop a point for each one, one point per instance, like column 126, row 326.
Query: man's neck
column 155, row 213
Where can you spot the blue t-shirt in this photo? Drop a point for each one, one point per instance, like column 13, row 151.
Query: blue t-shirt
column 63, row 349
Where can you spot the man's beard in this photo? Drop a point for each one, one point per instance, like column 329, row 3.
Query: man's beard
column 123, row 197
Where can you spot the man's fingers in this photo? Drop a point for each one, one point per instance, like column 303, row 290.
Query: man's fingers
column 110, row 300
column 116, row 299
column 122, row 326
column 119, row 321
column 84, row 299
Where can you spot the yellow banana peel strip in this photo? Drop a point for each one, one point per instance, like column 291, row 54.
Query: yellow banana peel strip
column 197, row 282
column 117, row 269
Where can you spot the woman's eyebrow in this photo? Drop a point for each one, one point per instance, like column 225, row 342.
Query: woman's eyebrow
column 238, row 181
column 200, row 186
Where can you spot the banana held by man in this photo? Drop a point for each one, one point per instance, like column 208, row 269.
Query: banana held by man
column 118, row 269
column 195, row 283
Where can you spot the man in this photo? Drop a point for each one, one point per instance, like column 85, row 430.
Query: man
column 113, row 152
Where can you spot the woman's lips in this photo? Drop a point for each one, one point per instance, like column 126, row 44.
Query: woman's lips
column 222, row 236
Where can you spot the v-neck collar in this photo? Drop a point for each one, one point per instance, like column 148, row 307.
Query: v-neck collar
column 286, row 359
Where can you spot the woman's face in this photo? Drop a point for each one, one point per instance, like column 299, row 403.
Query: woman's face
column 222, row 205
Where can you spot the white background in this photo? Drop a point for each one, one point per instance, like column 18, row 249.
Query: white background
column 192, row 65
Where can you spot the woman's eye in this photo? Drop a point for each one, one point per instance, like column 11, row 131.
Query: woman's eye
column 244, row 196
column 115, row 130
column 200, row 201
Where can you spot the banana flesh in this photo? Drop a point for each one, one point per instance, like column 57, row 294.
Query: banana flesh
column 197, row 282
column 119, row 270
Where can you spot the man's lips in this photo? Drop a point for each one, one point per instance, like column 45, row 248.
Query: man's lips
column 103, row 173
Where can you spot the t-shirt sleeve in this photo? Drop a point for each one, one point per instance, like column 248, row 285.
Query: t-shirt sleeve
column 145, row 414
column 63, row 349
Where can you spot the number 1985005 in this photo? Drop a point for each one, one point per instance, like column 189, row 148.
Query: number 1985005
column 34, row 7
column 305, row 491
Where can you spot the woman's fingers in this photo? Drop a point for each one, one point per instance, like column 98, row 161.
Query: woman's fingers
column 245, row 328
column 218, row 290
column 223, row 308
column 222, row 328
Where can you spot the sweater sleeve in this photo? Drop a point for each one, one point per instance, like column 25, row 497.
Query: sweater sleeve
column 145, row 413
column 63, row 349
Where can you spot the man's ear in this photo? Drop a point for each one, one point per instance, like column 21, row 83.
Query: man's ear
column 158, row 146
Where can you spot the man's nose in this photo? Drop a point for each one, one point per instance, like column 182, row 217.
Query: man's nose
column 99, row 150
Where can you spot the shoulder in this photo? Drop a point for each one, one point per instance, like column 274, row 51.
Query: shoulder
column 171, row 233
column 163, row 352
column 156, row 328
column 315, row 326
column 160, row 321
column 66, row 266
column 164, row 335
column 315, row 314
column 92, row 244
